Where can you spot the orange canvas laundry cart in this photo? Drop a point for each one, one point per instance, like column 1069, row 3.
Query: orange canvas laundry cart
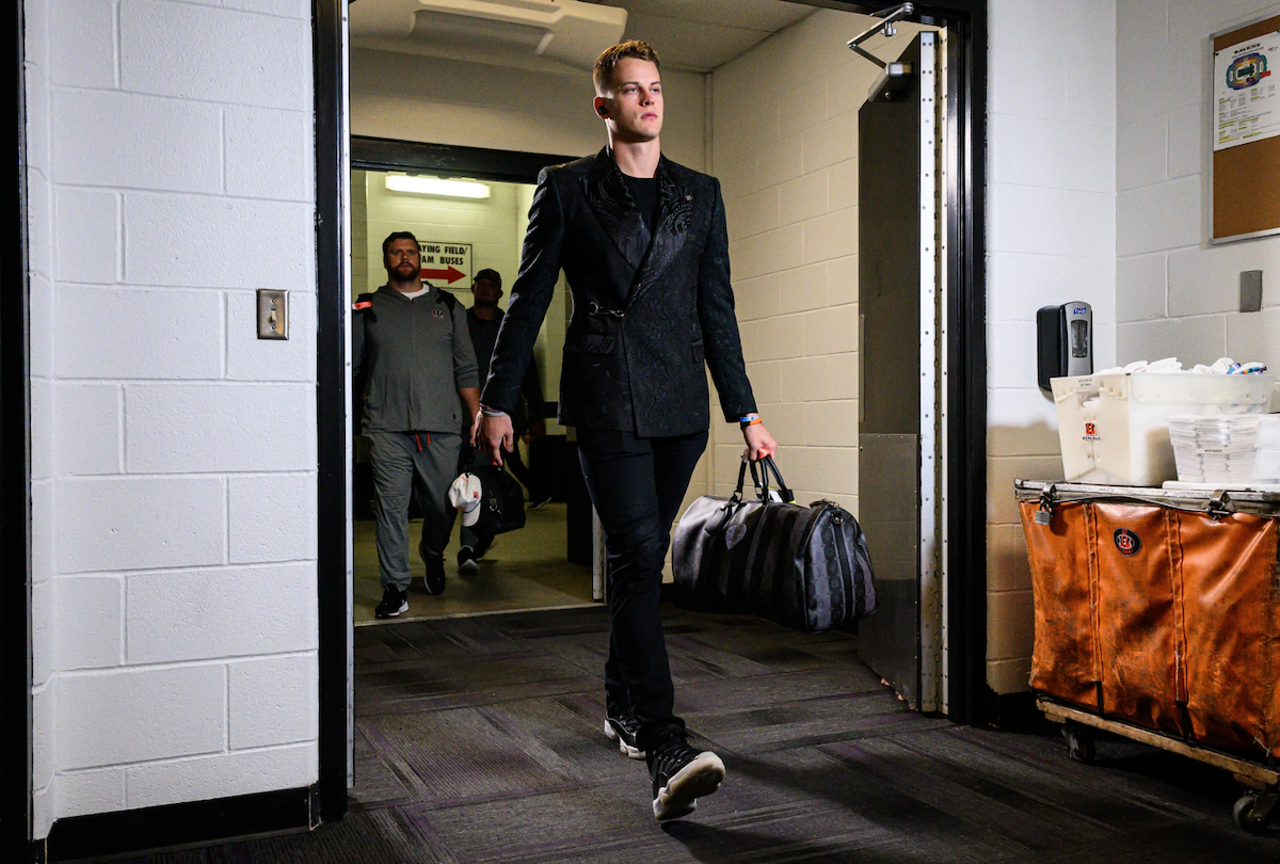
column 1157, row 617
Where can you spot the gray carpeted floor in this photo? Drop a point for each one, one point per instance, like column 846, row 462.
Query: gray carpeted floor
column 478, row 740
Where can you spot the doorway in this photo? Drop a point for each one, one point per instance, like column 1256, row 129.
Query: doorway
column 467, row 225
column 965, row 350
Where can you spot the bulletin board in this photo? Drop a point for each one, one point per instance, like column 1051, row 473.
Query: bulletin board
column 1246, row 131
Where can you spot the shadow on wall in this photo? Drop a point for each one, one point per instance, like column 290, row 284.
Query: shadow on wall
column 1028, row 453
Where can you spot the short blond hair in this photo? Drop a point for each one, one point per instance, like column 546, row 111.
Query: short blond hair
column 609, row 59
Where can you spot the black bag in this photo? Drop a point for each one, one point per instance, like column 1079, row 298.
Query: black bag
column 805, row 567
column 501, row 498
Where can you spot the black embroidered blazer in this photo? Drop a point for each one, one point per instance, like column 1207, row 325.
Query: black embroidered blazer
column 648, row 308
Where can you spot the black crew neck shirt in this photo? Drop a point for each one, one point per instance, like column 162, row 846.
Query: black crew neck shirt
column 645, row 192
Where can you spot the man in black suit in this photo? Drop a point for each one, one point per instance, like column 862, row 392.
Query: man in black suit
column 645, row 250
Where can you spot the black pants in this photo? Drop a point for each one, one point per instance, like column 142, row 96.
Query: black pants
column 637, row 485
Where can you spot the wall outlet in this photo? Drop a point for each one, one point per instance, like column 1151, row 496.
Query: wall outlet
column 273, row 314
column 1250, row 290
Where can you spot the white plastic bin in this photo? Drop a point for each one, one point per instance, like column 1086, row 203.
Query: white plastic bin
column 1115, row 428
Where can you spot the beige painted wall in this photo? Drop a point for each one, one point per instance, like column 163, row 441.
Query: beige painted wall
column 494, row 226
column 415, row 98
column 785, row 146
column 488, row 224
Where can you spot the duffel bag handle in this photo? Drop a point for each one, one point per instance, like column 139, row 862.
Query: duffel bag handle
column 766, row 465
column 742, row 478
column 760, row 477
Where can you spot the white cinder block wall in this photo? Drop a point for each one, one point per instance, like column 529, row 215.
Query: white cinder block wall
column 1051, row 238
column 785, row 147
column 174, row 457
column 1176, row 294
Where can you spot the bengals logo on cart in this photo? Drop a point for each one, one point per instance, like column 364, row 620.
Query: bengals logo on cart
column 1091, row 431
column 1127, row 542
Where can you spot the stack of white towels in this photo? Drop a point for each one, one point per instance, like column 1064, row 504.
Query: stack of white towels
column 1243, row 448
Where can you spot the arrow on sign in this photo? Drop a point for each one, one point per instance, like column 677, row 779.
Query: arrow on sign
column 449, row 275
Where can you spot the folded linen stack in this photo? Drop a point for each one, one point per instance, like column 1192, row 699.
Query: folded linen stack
column 1266, row 463
column 1215, row 449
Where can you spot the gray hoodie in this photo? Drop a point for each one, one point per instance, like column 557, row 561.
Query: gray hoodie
column 419, row 356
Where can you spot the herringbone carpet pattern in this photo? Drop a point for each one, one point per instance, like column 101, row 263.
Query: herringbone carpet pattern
column 478, row 740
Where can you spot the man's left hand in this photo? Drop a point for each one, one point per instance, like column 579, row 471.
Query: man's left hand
column 759, row 442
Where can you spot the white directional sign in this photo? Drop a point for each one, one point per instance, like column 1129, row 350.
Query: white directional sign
column 447, row 264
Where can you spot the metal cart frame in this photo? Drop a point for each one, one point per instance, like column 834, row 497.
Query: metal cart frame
column 1253, row 812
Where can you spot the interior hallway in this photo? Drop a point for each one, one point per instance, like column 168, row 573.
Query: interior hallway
column 478, row 740
column 524, row 569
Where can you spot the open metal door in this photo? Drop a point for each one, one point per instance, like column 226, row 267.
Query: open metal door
column 900, row 493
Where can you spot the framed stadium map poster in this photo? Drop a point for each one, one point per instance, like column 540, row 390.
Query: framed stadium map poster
column 1246, row 131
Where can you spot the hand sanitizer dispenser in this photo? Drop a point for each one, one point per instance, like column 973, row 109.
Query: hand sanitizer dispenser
column 1064, row 341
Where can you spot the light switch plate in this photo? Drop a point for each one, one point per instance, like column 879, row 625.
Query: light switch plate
column 1250, row 290
column 273, row 314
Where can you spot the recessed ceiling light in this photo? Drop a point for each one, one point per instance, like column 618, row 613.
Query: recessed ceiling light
column 436, row 186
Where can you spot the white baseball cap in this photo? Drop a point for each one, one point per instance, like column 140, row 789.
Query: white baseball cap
column 464, row 494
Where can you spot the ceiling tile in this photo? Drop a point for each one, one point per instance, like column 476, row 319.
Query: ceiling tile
column 767, row 15
column 691, row 45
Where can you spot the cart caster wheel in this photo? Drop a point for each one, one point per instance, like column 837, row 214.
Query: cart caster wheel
column 1245, row 813
column 1079, row 744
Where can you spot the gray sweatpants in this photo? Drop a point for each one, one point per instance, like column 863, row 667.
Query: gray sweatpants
column 407, row 463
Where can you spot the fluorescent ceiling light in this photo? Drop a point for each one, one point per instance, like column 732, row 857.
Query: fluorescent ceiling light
column 435, row 186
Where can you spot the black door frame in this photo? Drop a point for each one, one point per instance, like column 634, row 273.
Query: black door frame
column 970, row 700
column 966, row 22
column 15, row 467
column 480, row 163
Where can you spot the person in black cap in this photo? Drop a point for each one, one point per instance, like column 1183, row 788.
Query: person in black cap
column 484, row 320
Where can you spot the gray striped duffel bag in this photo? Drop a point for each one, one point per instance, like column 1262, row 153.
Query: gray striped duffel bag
column 805, row 567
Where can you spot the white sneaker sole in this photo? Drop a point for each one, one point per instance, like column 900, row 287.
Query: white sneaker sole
column 623, row 747
column 680, row 796
column 404, row 607
column 469, row 566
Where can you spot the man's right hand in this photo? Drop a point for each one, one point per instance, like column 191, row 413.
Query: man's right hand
column 493, row 435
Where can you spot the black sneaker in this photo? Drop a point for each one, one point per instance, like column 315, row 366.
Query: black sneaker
column 394, row 603
column 681, row 775
column 468, row 561
column 622, row 726
column 537, row 502
column 435, row 576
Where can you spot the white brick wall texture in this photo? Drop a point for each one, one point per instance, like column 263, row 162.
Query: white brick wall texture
column 174, row 463
column 790, row 182
column 1051, row 239
column 1177, row 295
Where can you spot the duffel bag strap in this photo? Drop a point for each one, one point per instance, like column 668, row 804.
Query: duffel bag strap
column 742, row 479
column 766, row 465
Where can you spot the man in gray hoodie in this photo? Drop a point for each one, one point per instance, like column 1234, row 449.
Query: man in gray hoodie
column 423, row 387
